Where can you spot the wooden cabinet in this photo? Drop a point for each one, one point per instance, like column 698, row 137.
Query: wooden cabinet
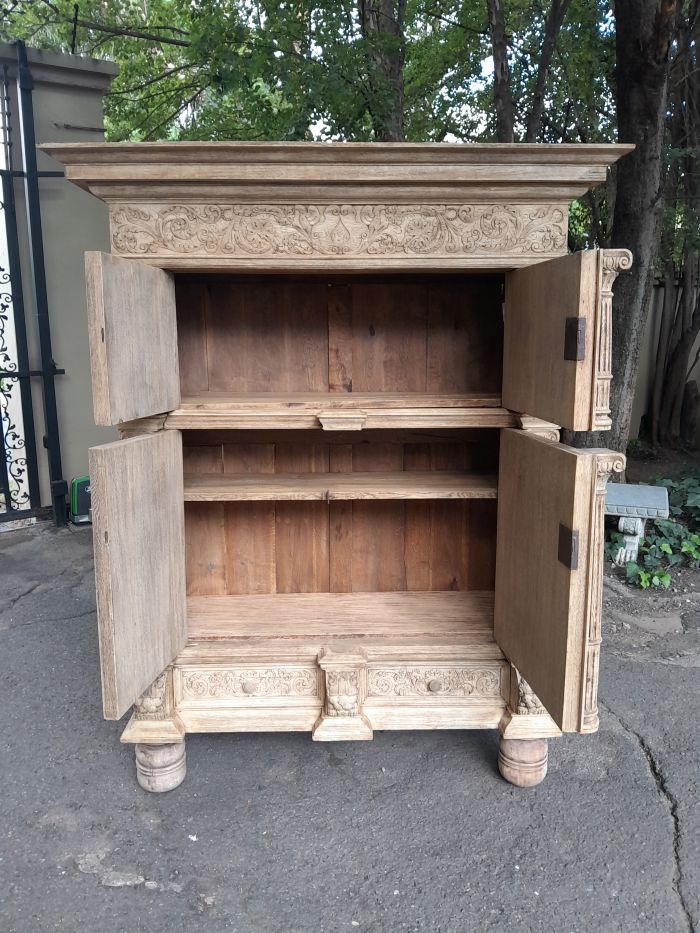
column 340, row 503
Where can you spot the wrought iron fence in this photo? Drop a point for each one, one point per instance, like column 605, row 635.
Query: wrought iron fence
column 20, row 494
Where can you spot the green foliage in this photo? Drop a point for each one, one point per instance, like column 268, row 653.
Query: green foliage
column 254, row 69
column 684, row 497
column 669, row 542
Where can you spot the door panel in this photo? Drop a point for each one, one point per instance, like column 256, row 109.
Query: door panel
column 139, row 540
column 133, row 339
column 557, row 334
column 549, row 570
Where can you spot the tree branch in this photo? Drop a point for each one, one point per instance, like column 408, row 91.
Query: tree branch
column 553, row 24
column 502, row 97
column 124, row 31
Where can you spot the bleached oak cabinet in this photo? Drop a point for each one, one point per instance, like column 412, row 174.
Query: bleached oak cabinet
column 340, row 503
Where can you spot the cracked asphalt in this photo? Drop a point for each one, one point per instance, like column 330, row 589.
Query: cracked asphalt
column 413, row 831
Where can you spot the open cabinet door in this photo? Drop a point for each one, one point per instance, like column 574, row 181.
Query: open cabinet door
column 557, row 336
column 133, row 339
column 549, row 565
column 138, row 532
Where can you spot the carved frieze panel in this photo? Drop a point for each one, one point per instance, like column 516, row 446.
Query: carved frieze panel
column 426, row 681
column 206, row 684
column 340, row 231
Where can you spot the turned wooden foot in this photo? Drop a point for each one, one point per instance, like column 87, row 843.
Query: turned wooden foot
column 160, row 767
column 523, row 762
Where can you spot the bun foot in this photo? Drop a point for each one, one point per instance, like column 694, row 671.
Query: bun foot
column 160, row 768
column 523, row 762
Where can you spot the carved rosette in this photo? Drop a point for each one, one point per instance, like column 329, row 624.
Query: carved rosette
column 612, row 262
column 152, row 229
column 254, row 682
column 422, row 681
column 607, row 463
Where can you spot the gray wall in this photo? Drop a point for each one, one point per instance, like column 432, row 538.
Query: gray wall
column 67, row 97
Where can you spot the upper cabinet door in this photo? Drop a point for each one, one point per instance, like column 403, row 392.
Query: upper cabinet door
column 133, row 339
column 549, row 566
column 557, row 354
column 139, row 540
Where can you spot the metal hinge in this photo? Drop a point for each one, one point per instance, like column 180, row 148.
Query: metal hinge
column 575, row 338
column 568, row 547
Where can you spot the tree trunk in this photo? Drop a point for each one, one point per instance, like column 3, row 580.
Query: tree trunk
column 502, row 98
column 668, row 313
column 681, row 316
column 555, row 18
column 383, row 33
column 644, row 31
column 676, row 369
column 690, row 411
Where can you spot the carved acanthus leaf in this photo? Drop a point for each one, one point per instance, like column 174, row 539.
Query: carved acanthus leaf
column 342, row 692
column 337, row 230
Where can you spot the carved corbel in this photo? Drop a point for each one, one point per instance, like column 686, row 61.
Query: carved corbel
column 525, row 717
column 528, row 703
column 155, row 720
column 345, row 691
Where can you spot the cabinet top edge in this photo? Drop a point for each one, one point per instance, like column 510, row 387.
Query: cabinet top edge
column 178, row 154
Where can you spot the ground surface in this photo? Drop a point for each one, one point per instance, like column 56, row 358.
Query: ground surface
column 409, row 832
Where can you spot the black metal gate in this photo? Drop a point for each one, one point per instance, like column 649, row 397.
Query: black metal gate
column 20, row 495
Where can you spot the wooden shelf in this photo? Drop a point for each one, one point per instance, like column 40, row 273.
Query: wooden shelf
column 339, row 411
column 400, row 617
column 236, row 487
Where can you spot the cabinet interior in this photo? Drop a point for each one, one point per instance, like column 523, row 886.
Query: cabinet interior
column 341, row 531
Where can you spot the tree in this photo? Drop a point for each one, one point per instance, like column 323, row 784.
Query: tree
column 680, row 244
column 644, row 34
column 418, row 69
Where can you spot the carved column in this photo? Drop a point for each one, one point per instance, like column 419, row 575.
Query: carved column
column 612, row 262
column 607, row 462
column 345, row 691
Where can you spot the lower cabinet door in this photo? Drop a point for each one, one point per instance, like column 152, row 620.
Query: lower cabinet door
column 139, row 540
column 549, row 568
